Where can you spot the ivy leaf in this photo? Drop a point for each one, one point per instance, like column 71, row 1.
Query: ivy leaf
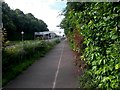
column 90, row 23
column 115, row 15
column 117, row 66
column 114, row 37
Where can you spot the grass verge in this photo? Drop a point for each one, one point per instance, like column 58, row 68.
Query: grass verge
column 18, row 60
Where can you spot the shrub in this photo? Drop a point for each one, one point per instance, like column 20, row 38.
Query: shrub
column 99, row 24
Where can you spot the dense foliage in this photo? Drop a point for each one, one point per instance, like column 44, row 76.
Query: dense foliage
column 15, row 21
column 18, row 57
column 97, row 43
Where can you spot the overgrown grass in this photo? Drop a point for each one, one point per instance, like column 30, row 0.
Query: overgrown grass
column 11, row 43
column 18, row 57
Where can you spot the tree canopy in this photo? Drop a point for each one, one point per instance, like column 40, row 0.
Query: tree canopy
column 15, row 21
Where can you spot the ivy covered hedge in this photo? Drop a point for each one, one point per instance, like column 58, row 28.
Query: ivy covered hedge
column 99, row 25
column 18, row 57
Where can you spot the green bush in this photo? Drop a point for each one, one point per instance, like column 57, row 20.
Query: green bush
column 18, row 57
column 57, row 41
column 99, row 24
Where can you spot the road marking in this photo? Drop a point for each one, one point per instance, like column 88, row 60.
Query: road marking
column 56, row 74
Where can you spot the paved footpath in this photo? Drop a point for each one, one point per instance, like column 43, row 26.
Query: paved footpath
column 55, row 70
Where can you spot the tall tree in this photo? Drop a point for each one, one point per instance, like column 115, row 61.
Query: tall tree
column 16, row 21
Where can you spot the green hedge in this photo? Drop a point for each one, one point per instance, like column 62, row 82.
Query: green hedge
column 99, row 24
column 18, row 57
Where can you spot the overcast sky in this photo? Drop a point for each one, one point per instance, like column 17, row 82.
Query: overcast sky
column 47, row 10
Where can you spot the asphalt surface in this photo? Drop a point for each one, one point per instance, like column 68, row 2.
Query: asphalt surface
column 55, row 70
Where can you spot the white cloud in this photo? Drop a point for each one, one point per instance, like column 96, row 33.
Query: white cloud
column 40, row 9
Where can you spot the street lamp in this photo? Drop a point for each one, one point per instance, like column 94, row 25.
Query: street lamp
column 22, row 38
column 22, row 35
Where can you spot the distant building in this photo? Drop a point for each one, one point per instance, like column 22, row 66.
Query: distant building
column 45, row 35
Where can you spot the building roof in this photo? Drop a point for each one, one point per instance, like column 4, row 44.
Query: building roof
column 43, row 33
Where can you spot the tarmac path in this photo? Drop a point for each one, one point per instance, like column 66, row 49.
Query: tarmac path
column 55, row 70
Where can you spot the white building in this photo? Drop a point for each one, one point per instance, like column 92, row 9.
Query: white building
column 45, row 35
